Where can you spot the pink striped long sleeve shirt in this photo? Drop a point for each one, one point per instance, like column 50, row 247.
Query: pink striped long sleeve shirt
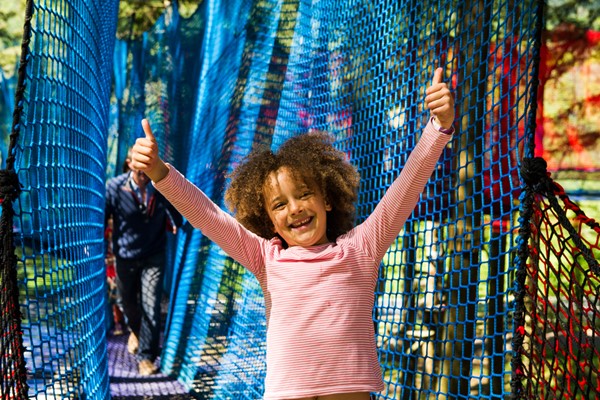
column 319, row 300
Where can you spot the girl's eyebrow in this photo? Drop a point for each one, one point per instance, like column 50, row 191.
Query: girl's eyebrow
column 274, row 199
column 301, row 185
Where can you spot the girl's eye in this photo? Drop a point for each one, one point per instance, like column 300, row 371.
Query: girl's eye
column 306, row 194
column 278, row 206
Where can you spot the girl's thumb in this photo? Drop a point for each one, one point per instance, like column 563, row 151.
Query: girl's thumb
column 148, row 130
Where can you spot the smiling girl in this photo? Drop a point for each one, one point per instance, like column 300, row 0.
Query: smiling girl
column 293, row 229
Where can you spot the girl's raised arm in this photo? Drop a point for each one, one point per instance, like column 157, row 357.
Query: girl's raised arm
column 381, row 228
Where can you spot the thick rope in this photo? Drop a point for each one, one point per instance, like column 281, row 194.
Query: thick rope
column 10, row 188
column 531, row 170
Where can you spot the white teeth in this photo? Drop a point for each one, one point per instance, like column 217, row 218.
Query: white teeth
column 300, row 223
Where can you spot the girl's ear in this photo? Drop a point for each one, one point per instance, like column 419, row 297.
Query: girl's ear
column 327, row 205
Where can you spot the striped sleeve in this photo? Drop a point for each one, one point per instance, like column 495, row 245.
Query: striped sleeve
column 376, row 234
column 239, row 243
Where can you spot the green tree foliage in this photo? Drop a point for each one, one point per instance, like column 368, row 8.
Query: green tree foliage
column 567, row 26
column 12, row 16
column 138, row 16
column 583, row 14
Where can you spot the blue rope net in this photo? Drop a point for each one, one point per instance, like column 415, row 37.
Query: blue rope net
column 58, row 154
column 7, row 93
column 266, row 71
column 237, row 74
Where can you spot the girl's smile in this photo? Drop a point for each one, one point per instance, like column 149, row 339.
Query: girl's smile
column 298, row 212
column 301, row 223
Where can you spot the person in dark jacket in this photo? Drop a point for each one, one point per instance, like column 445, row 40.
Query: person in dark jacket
column 141, row 219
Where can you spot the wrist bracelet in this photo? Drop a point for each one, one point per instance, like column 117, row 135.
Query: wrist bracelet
column 447, row 131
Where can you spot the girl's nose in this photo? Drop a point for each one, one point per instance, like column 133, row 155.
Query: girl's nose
column 295, row 207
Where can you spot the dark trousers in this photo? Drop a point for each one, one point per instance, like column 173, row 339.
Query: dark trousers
column 140, row 286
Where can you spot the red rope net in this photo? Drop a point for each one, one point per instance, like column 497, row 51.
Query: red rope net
column 560, row 351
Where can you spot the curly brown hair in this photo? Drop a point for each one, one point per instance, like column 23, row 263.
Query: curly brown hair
column 313, row 160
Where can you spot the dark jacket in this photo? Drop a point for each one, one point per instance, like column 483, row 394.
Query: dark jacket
column 139, row 231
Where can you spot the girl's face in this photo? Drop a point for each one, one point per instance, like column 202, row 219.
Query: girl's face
column 298, row 212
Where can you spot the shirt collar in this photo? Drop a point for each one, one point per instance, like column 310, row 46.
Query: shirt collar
column 130, row 184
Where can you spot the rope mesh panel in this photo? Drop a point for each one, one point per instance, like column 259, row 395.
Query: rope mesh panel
column 563, row 335
column 239, row 73
column 59, row 150
column 269, row 70
column 557, row 335
column 7, row 105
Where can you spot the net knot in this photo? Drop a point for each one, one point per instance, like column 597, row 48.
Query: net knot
column 9, row 185
column 533, row 171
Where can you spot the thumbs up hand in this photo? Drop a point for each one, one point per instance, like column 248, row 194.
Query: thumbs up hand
column 440, row 101
column 144, row 155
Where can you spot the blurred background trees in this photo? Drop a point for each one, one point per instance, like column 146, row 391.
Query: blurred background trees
column 135, row 17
